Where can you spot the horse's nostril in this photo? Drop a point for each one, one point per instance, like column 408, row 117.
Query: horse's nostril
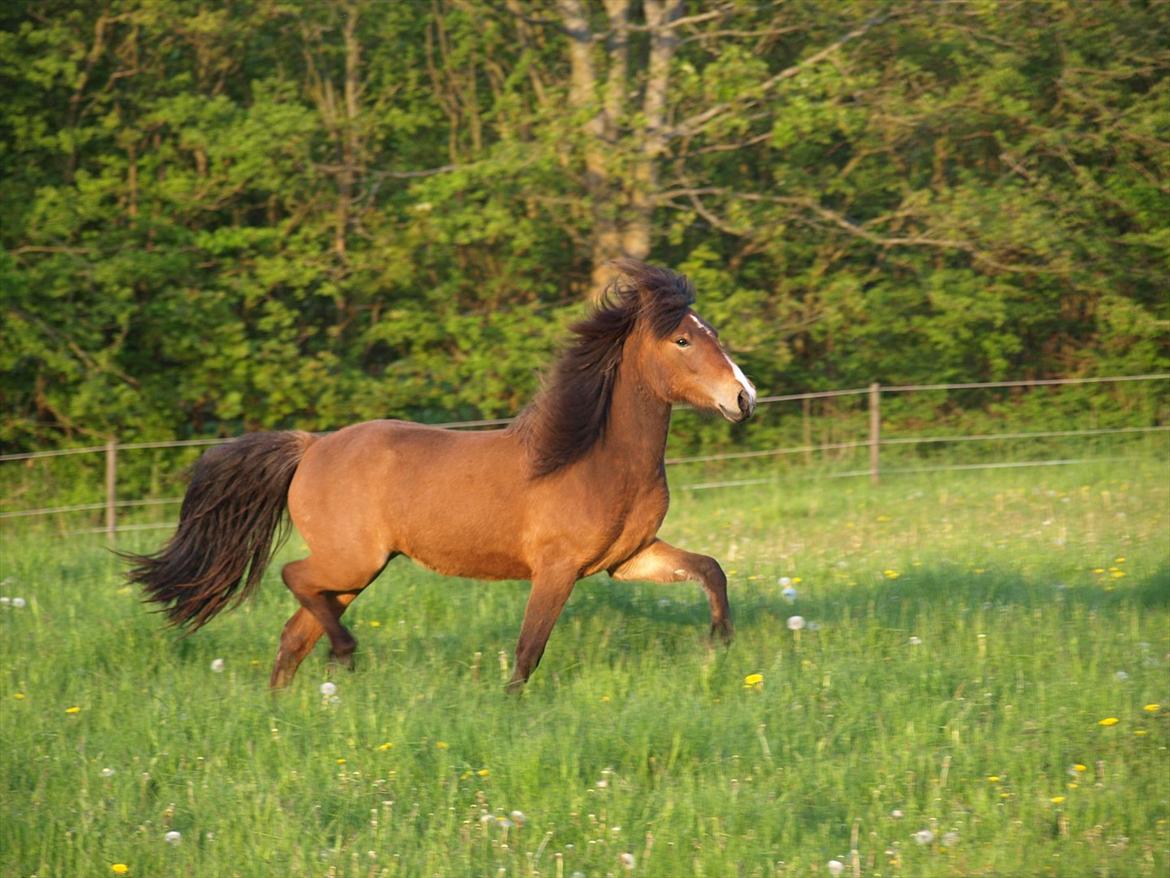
column 747, row 405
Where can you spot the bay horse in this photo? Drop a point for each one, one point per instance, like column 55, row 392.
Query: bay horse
column 575, row 485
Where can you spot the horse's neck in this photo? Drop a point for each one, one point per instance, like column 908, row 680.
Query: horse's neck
column 635, row 433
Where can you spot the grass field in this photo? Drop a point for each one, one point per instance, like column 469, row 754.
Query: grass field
column 982, row 687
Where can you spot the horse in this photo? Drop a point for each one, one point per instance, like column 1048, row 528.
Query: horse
column 576, row 484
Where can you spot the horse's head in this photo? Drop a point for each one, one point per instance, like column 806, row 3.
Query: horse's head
column 681, row 358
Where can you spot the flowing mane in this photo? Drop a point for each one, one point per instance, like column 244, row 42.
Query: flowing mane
column 570, row 413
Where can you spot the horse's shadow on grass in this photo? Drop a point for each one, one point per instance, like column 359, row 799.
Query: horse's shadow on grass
column 894, row 603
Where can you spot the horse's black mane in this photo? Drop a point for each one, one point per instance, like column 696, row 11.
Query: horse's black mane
column 570, row 413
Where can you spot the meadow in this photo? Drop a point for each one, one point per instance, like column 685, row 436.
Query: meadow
column 980, row 687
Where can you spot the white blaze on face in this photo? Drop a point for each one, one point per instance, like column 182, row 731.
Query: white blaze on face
column 735, row 370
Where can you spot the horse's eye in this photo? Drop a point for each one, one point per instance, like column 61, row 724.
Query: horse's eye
column 681, row 342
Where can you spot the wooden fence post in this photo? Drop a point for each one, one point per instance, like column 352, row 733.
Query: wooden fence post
column 875, row 429
column 111, row 489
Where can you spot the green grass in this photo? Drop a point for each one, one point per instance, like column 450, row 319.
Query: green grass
column 635, row 736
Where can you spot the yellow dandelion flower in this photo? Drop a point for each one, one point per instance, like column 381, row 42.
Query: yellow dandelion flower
column 19, row 696
column 605, row 699
column 1141, row 733
column 1120, row 559
column 796, row 580
column 1098, row 570
column 1117, row 574
column 74, row 709
column 1079, row 767
column 374, row 623
column 385, row 746
column 978, row 571
column 993, row 778
column 883, row 518
column 1108, row 721
column 442, row 745
column 1058, row 800
column 466, row 774
column 1152, row 708
column 1072, row 785
column 119, row 868
column 753, row 680
column 483, row 772
column 891, row 574
column 341, row 760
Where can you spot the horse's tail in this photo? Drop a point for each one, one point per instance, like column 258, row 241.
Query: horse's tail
column 228, row 527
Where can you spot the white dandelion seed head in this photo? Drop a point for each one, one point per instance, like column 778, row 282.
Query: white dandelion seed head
column 628, row 861
column 217, row 665
column 785, row 581
column 789, row 594
column 173, row 837
column 18, row 602
column 328, row 688
column 923, row 836
column 1121, row 676
column 836, row 867
column 518, row 817
column 950, row 839
column 897, row 814
column 107, row 772
column 795, row 623
column 915, row 640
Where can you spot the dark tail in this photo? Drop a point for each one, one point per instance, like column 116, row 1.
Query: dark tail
column 231, row 524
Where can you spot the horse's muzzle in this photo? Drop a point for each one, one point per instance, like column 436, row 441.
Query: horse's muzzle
column 747, row 404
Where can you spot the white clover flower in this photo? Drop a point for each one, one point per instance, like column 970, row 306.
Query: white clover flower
column 628, row 861
column 915, row 640
column 107, row 772
column 836, row 867
column 789, row 594
column 923, row 836
column 173, row 837
column 795, row 623
column 217, row 665
column 328, row 688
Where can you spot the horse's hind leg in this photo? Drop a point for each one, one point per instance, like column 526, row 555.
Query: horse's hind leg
column 324, row 594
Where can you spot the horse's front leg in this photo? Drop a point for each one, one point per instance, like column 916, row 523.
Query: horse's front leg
column 662, row 562
column 550, row 589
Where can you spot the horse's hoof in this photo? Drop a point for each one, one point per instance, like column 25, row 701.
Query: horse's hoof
column 723, row 631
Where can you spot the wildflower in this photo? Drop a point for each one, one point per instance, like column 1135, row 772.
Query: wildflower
column 836, row 867
column 504, row 823
column 341, row 760
column 897, row 814
column 1108, row 721
column 374, row 623
column 107, row 772
column 891, row 574
column 795, row 623
column 217, row 666
column 119, row 868
column 518, row 818
column 387, row 745
column 923, row 836
column 483, row 772
column 789, row 594
column 1141, row 733
column 993, row 778
column 73, row 709
column 442, row 745
column 19, row 696
column 605, row 699
column 784, row 581
column 1121, row 676
column 1077, row 768
column 173, row 837
column 1057, row 800
column 1152, row 708
column 627, row 860
column 18, row 602
column 752, row 681
column 328, row 689
column 915, row 640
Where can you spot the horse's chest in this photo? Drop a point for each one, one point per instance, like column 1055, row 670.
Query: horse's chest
column 634, row 529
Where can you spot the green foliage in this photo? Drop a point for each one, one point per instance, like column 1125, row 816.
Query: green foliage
column 970, row 634
column 269, row 215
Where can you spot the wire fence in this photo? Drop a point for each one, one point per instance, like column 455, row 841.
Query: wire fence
column 873, row 441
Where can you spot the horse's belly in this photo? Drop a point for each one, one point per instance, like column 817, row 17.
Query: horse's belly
column 473, row 563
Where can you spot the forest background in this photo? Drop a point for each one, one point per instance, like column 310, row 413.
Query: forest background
column 224, row 216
